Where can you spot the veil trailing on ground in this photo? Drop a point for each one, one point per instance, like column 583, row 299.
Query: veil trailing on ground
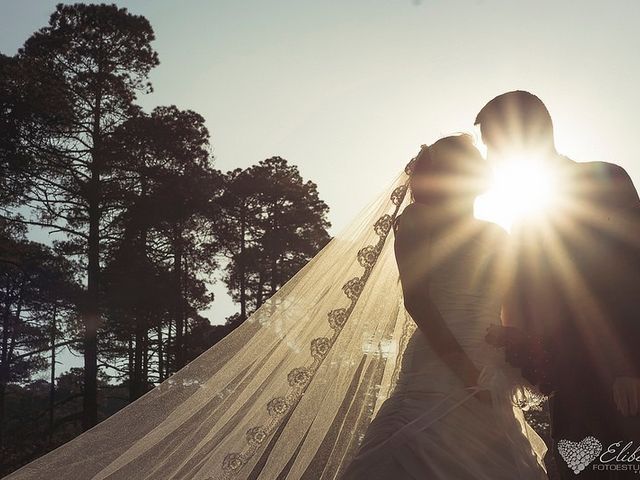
column 287, row 395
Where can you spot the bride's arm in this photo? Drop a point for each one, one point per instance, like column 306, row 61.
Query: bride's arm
column 412, row 256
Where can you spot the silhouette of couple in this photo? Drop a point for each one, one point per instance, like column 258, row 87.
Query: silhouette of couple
column 566, row 284
column 550, row 308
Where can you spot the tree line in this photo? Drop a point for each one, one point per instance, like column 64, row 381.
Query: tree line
column 139, row 222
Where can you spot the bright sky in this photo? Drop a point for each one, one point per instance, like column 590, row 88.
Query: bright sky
column 348, row 91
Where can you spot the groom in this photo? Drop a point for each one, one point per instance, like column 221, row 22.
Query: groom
column 575, row 290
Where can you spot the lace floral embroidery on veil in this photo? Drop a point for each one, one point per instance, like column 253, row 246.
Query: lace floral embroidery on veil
column 300, row 377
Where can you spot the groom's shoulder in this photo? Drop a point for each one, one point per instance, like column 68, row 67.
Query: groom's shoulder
column 604, row 170
column 611, row 180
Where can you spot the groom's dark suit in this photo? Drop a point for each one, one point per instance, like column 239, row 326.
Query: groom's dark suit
column 577, row 287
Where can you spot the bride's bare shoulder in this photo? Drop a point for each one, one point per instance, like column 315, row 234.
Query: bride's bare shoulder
column 493, row 228
column 412, row 217
column 493, row 232
column 414, row 209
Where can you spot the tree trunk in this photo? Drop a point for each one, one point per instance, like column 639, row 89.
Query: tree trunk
column 243, row 286
column 52, row 386
column 7, row 365
column 168, row 350
column 178, row 304
column 8, row 345
column 160, row 353
column 144, row 377
column 137, row 361
column 260, row 292
column 272, row 253
column 131, row 369
column 92, row 309
column 4, row 363
column 91, row 319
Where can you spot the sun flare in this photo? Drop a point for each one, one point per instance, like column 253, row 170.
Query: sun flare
column 518, row 188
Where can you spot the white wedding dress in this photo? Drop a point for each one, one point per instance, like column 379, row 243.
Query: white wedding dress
column 431, row 427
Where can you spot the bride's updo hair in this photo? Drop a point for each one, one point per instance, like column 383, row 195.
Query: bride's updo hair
column 450, row 169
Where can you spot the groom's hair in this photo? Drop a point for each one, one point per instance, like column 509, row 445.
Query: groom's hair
column 520, row 115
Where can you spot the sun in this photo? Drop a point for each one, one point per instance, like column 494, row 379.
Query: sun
column 519, row 188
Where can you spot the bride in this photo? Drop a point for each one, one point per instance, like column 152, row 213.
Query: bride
column 450, row 415
column 330, row 378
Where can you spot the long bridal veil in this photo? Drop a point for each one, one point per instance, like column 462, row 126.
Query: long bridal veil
column 287, row 395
